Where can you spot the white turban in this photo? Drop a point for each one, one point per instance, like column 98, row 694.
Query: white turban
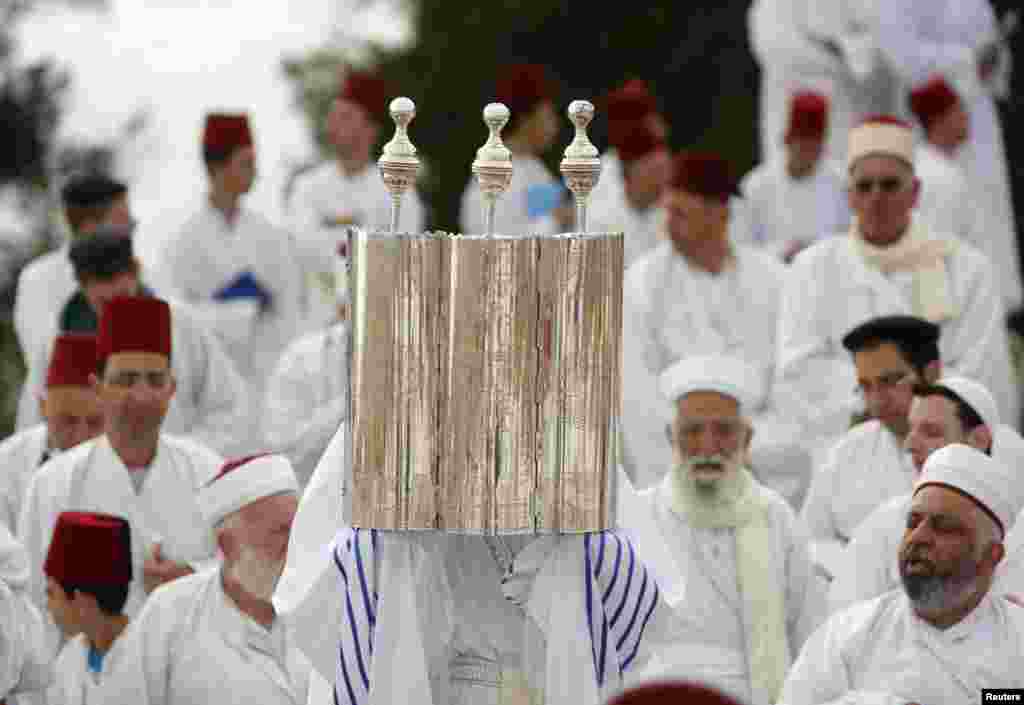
column 976, row 396
column 244, row 481
column 991, row 484
column 726, row 375
column 886, row 136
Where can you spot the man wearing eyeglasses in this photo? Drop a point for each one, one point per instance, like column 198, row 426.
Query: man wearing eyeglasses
column 134, row 469
column 869, row 465
column 890, row 263
column 752, row 596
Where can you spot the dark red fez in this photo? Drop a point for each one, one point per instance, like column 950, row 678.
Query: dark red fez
column 880, row 119
column 521, row 87
column 226, row 132
column 234, row 464
column 933, row 100
column 630, row 101
column 367, row 90
column 135, row 324
column 672, row 693
column 704, row 173
column 72, row 361
column 633, row 140
column 89, row 550
column 808, row 116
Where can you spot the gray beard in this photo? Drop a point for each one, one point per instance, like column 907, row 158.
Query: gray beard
column 933, row 593
column 257, row 575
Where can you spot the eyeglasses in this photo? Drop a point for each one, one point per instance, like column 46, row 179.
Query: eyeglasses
column 886, row 184
column 886, row 383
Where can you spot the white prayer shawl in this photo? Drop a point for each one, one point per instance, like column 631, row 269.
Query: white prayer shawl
column 612, row 212
column 866, row 468
column 207, row 254
column 91, row 478
column 948, row 202
column 307, row 398
column 782, row 209
column 19, row 458
column 24, row 659
column 710, row 641
column 511, row 216
column 883, row 647
column 191, row 644
column 326, row 193
column 830, row 290
column 672, row 310
column 920, row 38
column 211, row 402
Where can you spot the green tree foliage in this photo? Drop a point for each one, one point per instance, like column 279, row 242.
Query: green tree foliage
column 694, row 53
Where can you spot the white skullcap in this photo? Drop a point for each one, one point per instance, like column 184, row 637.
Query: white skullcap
column 244, row 481
column 976, row 396
column 881, row 136
column 991, row 484
column 726, row 375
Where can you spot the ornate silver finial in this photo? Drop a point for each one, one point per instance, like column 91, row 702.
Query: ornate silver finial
column 398, row 162
column 493, row 164
column 580, row 166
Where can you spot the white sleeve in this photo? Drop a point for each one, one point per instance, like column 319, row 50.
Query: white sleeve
column 23, row 322
column 819, row 675
column 805, row 595
column 34, row 529
column 218, row 394
column 864, row 572
column 909, row 52
column 37, row 362
column 139, row 664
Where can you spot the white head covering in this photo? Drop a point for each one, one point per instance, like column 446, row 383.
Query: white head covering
column 895, row 139
column 726, row 375
column 991, row 484
column 244, row 481
column 976, row 396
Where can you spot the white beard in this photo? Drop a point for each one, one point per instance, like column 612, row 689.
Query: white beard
column 257, row 574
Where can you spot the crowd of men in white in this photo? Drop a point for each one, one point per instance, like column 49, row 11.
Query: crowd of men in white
column 818, row 445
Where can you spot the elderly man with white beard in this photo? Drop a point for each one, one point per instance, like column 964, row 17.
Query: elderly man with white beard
column 752, row 596
column 214, row 637
column 946, row 635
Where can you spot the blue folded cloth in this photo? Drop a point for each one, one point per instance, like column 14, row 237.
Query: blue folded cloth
column 245, row 286
column 541, row 199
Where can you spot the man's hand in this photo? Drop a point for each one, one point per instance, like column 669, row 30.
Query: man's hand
column 157, row 570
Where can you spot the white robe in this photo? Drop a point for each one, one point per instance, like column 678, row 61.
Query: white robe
column 326, row 192
column 830, row 290
column 44, row 286
column 782, row 209
column 710, row 642
column 881, row 646
column 211, row 403
column 91, row 477
column 25, row 669
column 207, row 254
column 511, row 216
column 610, row 211
column 308, row 397
column 191, row 644
column 948, row 203
column 73, row 682
column 920, row 38
column 672, row 310
column 866, row 468
column 19, row 458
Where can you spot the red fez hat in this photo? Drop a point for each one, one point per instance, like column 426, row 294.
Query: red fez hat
column 521, row 87
column 633, row 140
column 72, row 361
column 367, row 90
column 933, row 100
column 630, row 101
column 704, row 173
column 672, row 693
column 90, row 549
column 226, row 132
column 881, row 119
column 135, row 324
column 808, row 116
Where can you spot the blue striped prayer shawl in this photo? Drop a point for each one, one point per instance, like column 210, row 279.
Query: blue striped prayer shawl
column 619, row 598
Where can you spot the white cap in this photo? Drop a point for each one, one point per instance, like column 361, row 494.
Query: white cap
column 730, row 376
column 991, row 484
column 976, row 396
column 244, row 481
column 881, row 136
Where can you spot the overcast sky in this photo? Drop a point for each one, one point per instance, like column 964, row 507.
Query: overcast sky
column 181, row 58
